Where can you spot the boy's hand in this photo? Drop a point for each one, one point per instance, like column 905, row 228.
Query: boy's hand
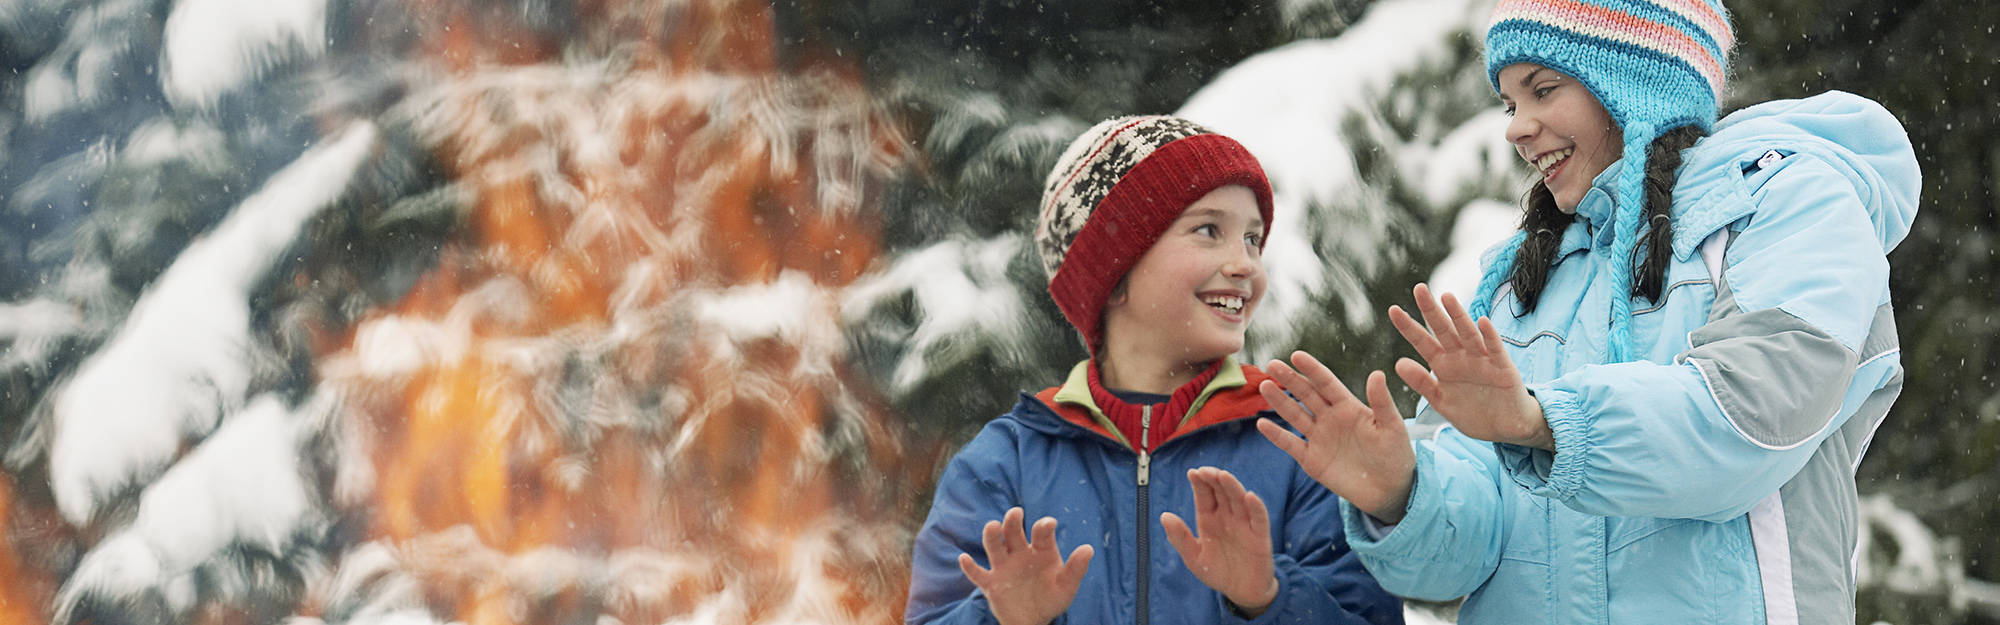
column 1360, row 451
column 1233, row 554
column 1471, row 382
column 1029, row 583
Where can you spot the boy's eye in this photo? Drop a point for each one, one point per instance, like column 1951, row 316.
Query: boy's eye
column 1208, row 230
column 1255, row 240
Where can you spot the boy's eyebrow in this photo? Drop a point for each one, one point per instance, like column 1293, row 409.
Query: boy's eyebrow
column 1256, row 222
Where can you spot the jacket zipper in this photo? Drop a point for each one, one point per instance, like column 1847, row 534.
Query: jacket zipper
column 1145, row 534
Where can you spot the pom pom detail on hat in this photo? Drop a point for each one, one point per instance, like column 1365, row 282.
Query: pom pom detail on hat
column 1115, row 190
column 1655, row 65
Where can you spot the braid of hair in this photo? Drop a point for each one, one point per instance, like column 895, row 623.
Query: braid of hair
column 1656, row 249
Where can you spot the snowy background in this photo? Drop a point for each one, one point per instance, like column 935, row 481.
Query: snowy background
column 536, row 311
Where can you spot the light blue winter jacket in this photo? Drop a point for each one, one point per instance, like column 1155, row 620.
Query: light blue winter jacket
column 1712, row 480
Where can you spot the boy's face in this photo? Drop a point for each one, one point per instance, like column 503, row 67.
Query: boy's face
column 1190, row 297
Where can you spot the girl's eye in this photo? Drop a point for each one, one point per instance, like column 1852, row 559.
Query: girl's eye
column 1255, row 240
column 1207, row 230
column 1510, row 110
column 1543, row 92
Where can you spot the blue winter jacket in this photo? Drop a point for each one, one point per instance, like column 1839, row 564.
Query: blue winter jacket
column 1711, row 481
column 1053, row 455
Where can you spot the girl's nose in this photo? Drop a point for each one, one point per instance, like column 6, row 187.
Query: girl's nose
column 1521, row 128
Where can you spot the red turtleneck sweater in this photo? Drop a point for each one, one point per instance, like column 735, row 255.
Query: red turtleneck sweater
column 1166, row 417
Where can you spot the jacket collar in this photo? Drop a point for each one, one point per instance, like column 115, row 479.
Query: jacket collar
column 1231, row 395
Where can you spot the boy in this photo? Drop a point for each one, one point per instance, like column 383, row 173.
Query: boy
column 1151, row 229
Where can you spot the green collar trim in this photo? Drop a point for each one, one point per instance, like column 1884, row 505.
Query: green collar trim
column 1076, row 390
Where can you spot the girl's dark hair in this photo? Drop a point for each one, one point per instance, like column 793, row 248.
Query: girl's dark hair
column 1544, row 223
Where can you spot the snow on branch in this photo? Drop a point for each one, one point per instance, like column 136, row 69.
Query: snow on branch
column 180, row 361
column 214, row 46
column 241, row 487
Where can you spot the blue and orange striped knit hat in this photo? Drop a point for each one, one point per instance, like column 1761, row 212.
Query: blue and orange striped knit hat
column 1655, row 65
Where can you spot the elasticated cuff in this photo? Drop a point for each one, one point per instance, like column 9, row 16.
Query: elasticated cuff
column 1557, row 475
column 1426, row 503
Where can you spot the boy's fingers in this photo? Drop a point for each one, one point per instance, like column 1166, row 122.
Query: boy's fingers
column 1015, row 539
column 1260, row 518
column 992, row 537
column 972, row 570
column 1045, row 534
column 1415, row 333
column 1178, row 532
column 1204, row 492
column 1079, row 563
column 1230, row 489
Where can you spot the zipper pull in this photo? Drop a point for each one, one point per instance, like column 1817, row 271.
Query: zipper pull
column 1145, row 441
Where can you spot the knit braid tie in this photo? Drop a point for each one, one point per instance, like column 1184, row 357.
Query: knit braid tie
column 1496, row 273
column 1631, row 203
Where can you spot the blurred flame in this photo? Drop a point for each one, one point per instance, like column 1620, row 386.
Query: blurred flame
column 23, row 589
column 595, row 424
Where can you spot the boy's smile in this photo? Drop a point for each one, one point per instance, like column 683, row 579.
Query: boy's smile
column 1189, row 299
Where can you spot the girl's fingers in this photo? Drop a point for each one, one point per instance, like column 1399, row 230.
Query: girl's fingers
column 1418, row 378
column 1436, row 318
column 1418, row 336
column 1462, row 322
column 1309, row 394
column 1379, row 400
column 1286, row 406
column 1286, row 441
column 1491, row 337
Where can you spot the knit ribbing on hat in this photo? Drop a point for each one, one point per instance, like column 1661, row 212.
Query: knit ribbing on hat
column 1655, row 65
column 1113, row 193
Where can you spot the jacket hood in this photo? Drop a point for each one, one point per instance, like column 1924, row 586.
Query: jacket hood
column 1859, row 138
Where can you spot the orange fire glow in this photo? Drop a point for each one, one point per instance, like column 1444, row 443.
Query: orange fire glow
column 23, row 589
column 594, row 426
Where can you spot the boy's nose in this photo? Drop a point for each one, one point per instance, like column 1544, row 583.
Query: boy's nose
column 1243, row 265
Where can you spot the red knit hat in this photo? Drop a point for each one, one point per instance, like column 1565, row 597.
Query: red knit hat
column 1115, row 191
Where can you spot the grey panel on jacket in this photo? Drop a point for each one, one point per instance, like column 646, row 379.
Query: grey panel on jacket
column 1822, row 516
column 1778, row 379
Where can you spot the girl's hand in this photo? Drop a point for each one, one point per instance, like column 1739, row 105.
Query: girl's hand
column 1360, row 451
column 1029, row 583
column 1471, row 382
column 1233, row 553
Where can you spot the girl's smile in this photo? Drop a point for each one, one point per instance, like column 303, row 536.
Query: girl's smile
column 1560, row 129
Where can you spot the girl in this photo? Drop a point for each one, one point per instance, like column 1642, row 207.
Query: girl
column 1700, row 315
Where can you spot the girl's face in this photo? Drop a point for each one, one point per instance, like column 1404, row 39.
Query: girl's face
column 1189, row 299
column 1560, row 129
